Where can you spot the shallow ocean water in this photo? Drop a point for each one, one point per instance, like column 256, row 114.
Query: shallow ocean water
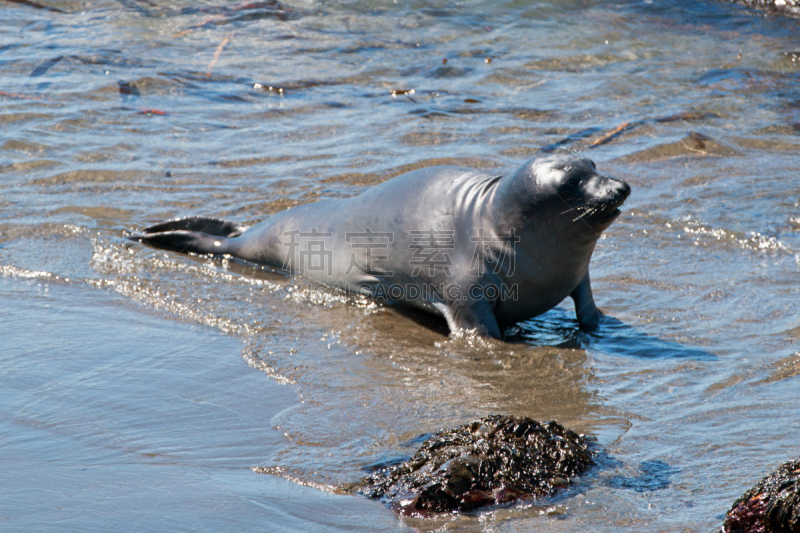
column 146, row 390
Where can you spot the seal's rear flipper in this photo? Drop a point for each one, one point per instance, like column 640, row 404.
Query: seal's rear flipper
column 195, row 235
column 211, row 226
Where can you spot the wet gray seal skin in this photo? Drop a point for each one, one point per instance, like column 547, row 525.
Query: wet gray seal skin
column 485, row 252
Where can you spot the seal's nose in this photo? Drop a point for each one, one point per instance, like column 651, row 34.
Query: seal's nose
column 622, row 188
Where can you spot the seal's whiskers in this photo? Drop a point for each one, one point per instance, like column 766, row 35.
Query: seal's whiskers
column 589, row 211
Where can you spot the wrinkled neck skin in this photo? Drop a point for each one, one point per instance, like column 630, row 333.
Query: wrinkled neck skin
column 550, row 257
column 551, row 243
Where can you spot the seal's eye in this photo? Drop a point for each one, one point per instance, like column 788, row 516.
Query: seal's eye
column 569, row 188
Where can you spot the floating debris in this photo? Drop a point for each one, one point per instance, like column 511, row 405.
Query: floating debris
column 588, row 132
column 772, row 506
column 149, row 111
column 31, row 3
column 125, row 88
column 493, row 460
column 268, row 88
column 217, row 54
column 625, row 126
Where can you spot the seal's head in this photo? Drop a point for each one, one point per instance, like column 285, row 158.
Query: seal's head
column 567, row 189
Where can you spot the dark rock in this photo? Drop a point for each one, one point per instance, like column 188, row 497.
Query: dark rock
column 493, row 460
column 772, row 506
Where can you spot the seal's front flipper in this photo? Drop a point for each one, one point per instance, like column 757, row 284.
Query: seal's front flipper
column 471, row 314
column 588, row 314
column 195, row 235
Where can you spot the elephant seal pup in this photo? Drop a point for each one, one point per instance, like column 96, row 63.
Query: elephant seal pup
column 485, row 252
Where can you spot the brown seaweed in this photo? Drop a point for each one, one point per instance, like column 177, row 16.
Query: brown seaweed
column 493, row 460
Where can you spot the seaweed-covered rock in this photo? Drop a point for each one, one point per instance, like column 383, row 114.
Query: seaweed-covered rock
column 492, row 460
column 772, row 506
